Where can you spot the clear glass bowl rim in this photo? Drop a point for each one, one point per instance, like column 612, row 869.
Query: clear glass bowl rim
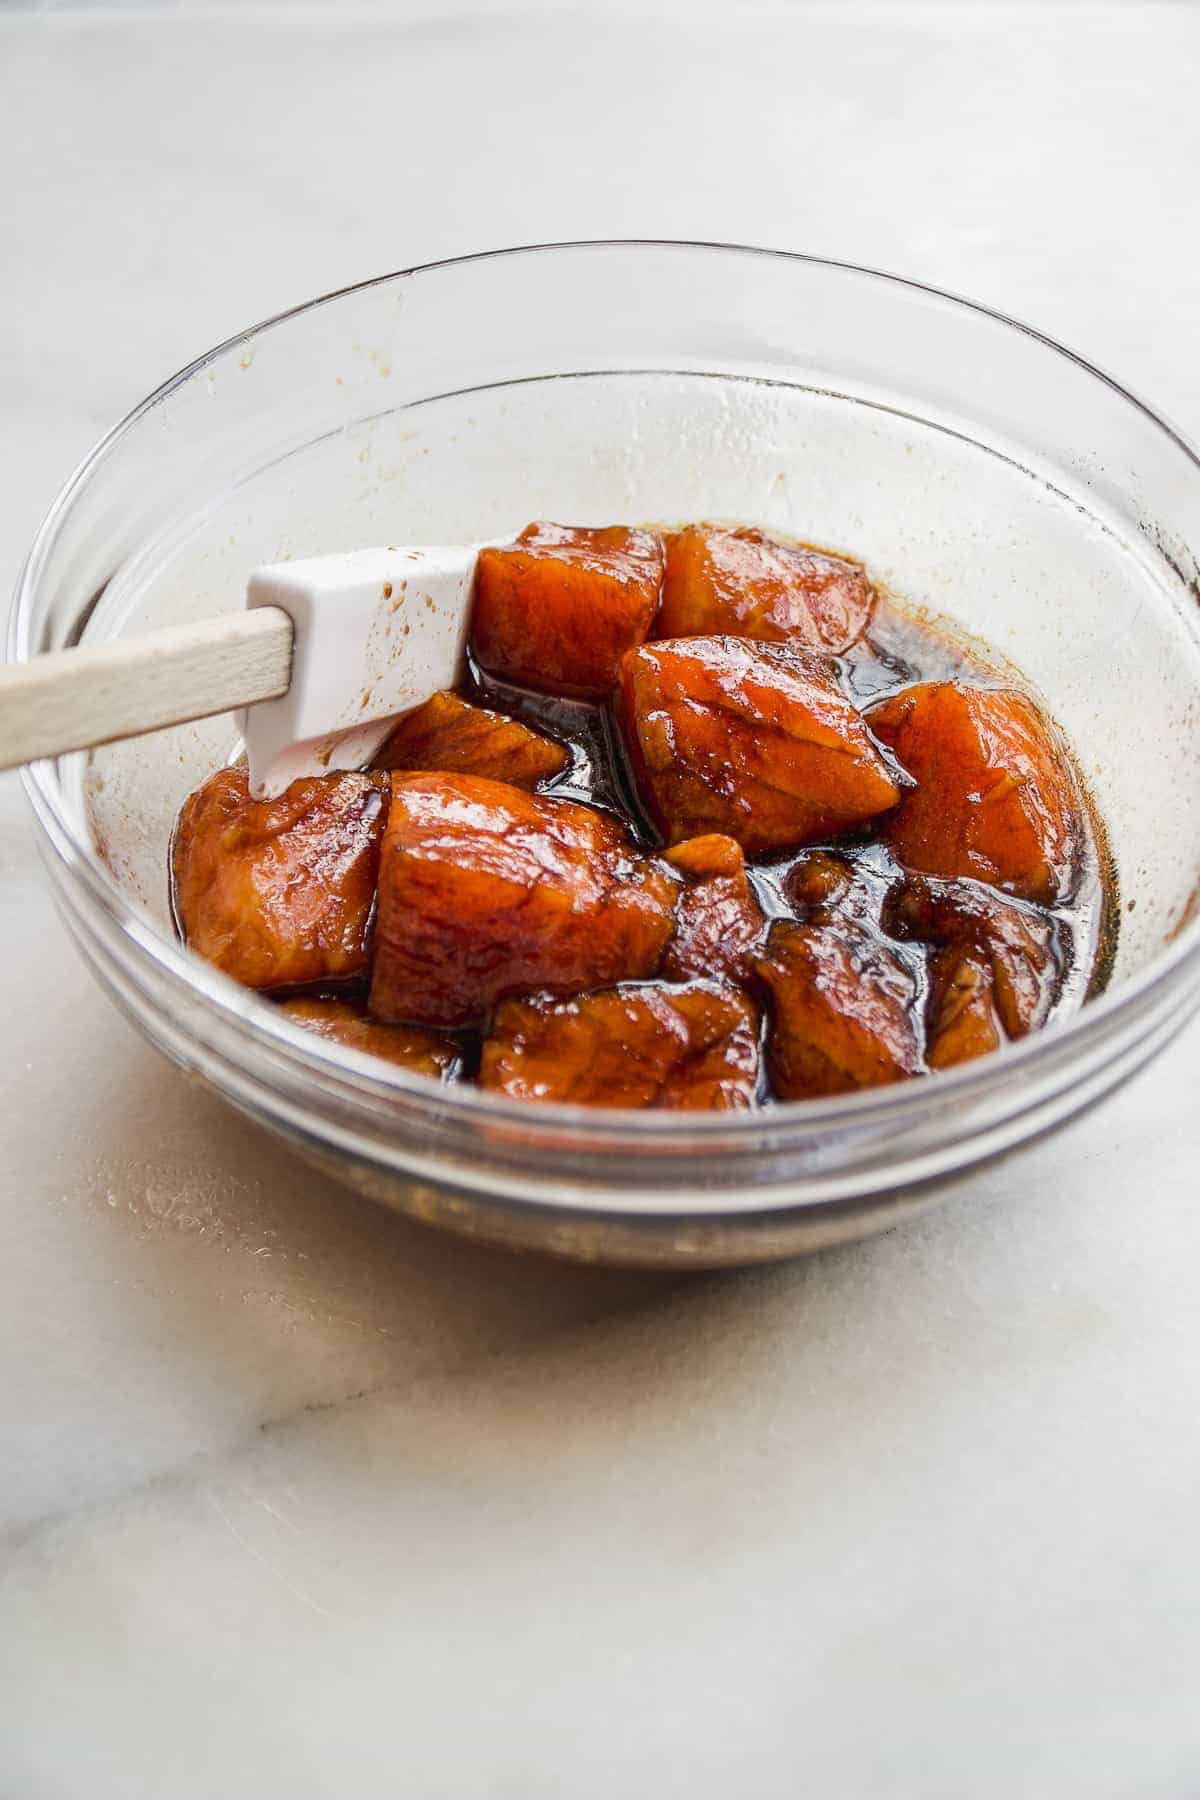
column 263, row 1029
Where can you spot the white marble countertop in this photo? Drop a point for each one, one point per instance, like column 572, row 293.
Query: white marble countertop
column 301, row 1499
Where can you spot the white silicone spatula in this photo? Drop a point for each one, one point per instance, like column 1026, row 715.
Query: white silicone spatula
column 325, row 656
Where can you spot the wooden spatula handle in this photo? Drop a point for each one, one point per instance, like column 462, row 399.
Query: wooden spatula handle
column 73, row 699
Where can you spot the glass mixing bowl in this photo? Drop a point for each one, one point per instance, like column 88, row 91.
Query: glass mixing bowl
column 979, row 469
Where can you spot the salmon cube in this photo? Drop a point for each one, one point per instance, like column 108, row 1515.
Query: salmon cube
column 755, row 741
column 741, row 581
column 1020, row 946
column 820, row 883
column 279, row 893
column 485, row 891
column 705, row 858
column 840, row 1010
column 960, row 1018
column 718, row 922
column 452, row 736
column 995, row 797
column 424, row 1052
column 692, row 1049
column 560, row 608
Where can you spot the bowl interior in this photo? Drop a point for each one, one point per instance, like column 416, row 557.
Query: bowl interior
column 1096, row 616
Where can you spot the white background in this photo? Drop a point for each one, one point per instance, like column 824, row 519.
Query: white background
column 300, row 1499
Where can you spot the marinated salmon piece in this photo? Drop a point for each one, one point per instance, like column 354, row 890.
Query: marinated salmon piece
column 840, row 1010
column 700, row 858
column 739, row 580
column 424, row 1052
column 1021, row 947
column 278, row 893
column 718, row 922
column 819, row 883
column 485, row 891
column 995, row 797
column 755, row 741
column 960, row 1018
column 693, row 1049
column 560, row 608
column 453, row 736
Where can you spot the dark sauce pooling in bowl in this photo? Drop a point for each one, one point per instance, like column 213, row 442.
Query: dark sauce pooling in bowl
column 839, row 963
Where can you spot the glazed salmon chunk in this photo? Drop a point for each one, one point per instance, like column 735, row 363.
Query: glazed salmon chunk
column 995, row 797
column 451, row 735
column 718, row 922
column 722, row 579
column 820, row 883
column 343, row 1022
column 961, row 1021
column 1019, row 944
column 560, row 608
column 279, row 893
column 841, row 1010
column 692, row 1048
column 486, row 891
column 755, row 741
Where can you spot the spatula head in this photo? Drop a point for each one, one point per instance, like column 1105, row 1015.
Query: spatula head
column 377, row 632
